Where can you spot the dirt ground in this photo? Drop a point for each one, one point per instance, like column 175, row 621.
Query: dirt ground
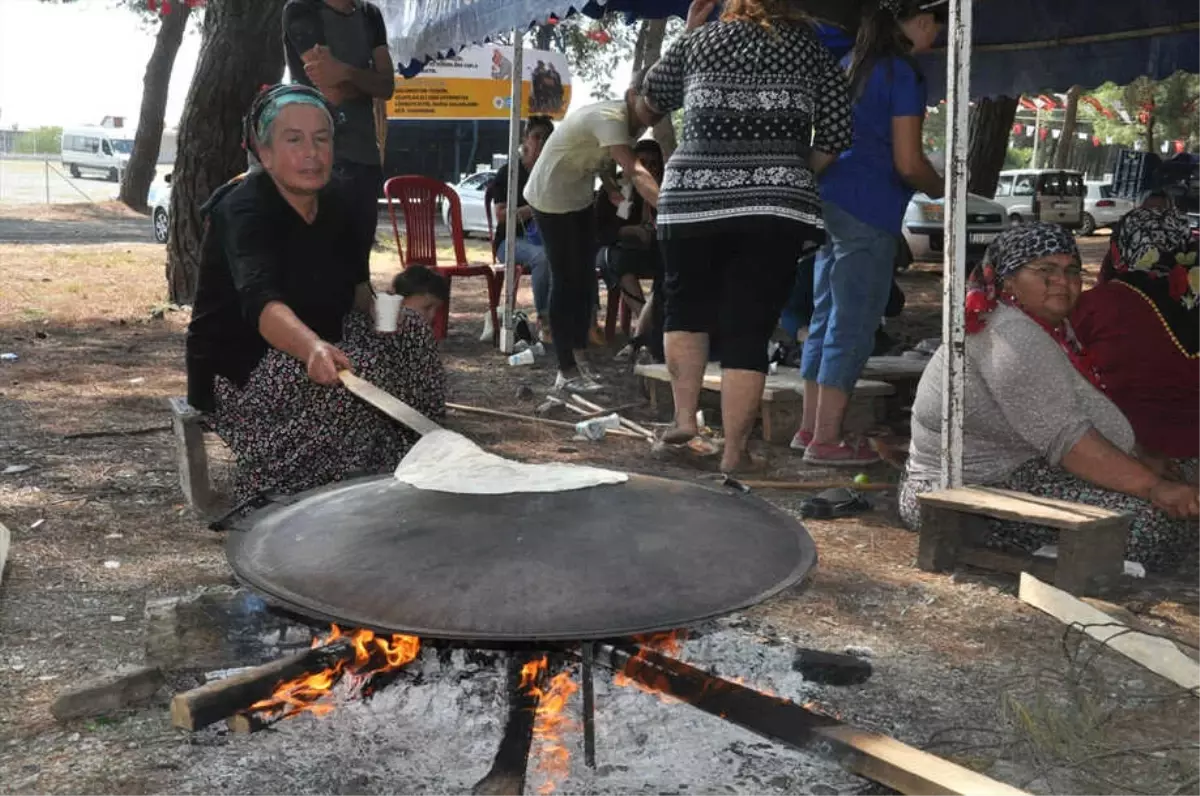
column 962, row 668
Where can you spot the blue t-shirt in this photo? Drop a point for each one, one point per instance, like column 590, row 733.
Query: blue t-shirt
column 863, row 181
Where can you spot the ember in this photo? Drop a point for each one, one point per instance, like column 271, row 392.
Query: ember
column 551, row 721
column 373, row 655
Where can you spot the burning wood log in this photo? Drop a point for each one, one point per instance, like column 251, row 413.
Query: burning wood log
column 214, row 701
column 869, row 754
column 506, row 777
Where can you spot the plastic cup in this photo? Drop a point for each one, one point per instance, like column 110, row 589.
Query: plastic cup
column 525, row 357
column 387, row 311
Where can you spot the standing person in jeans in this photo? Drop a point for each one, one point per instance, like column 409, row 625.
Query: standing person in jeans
column 560, row 190
column 339, row 47
column 766, row 108
column 530, row 254
column 864, row 195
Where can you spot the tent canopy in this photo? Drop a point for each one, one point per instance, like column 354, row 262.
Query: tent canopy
column 1020, row 46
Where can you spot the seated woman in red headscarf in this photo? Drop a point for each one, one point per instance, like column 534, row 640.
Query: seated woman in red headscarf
column 1143, row 328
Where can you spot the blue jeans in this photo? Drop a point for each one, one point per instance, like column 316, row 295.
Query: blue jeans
column 533, row 257
column 851, row 282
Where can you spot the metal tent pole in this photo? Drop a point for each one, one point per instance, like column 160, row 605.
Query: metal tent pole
column 958, row 96
column 507, row 327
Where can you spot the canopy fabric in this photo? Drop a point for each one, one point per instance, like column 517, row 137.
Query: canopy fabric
column 1033, row 46
column 1020, row 46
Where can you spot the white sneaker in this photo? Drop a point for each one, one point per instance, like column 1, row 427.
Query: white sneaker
column 580, row 384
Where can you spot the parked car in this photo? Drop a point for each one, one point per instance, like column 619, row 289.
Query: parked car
column 471, row 195
column 1046, row 194
column 1102, row 207
column 925, row 231
column 159, row 200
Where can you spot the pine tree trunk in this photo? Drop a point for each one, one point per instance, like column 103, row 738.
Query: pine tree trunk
column 1066, row 142
column 139, row 173
column 991, row 122
column 242, row 50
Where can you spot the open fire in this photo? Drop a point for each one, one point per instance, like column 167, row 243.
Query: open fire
column 373, row 655
column 551, row 721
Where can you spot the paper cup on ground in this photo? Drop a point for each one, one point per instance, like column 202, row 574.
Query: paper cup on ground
column 387, row 311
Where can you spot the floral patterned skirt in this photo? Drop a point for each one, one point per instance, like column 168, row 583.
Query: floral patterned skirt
column 1155, row 540
column 290, row 434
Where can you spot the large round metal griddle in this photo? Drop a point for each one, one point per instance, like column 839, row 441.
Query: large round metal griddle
column 616, row 560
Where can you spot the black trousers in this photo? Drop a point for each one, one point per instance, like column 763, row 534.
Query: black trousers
column 570, row 243
column 359, row 186
column 733, row 283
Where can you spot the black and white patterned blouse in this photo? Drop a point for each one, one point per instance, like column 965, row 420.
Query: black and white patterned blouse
column 755, row 102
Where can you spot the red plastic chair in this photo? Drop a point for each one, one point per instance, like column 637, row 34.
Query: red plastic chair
column 418, row 199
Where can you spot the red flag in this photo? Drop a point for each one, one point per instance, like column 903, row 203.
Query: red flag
column 152, row 5
column 1095, row 140
column 1180, row 146
column 1018, row 129
column 1042, row 133
column 1028, row 104
column 600, row 36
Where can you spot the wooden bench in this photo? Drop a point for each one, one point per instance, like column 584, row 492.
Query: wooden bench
column 1091, row 540
column 191, row 456
column 783, row 399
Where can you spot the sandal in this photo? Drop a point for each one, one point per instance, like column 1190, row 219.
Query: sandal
column 834, row 504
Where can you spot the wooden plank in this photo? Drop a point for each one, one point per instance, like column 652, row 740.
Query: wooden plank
column 884, row 759
column 1003, row 504
column 387, row 403
column 1093, row 558
column 905, row 768
column 894, row 368
column 1011, row 563
column 784, row 385
column 108, row 694
column 191, row 457
column 5, row 541
column 1159, row 655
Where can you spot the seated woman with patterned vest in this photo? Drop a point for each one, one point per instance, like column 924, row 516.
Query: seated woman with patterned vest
column 281, row 308
column 1036, row 417
column 1142, row 328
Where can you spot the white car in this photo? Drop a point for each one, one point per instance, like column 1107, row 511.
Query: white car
column 159, row 200
column 925, row 231
column 471, row 195
column 1101, row 208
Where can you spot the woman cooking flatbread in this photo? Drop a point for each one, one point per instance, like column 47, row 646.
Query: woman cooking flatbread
column 281, row 307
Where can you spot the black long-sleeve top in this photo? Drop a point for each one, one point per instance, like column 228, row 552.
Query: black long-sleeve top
column 258, row 249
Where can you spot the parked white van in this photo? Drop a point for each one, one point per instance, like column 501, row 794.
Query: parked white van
column 1046, row 194
column 96, row 149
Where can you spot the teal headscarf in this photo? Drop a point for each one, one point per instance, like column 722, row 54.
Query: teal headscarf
column 301, row 95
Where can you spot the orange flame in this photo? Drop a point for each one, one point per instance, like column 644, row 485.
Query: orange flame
column 550, row 722
column 669, row 643
column 372, row 655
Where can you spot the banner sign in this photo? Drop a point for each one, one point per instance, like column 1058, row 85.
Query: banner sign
column 476, row 82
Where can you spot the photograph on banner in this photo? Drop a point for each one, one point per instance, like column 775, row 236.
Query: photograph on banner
column 476, row 82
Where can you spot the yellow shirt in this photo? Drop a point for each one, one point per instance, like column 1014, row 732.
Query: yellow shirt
column 563, row 179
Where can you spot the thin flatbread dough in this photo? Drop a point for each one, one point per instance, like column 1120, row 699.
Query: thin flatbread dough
column 443, row 461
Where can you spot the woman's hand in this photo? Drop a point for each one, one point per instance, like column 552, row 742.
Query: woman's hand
column 1176, row 499
column 324, row 361
column 699, row 12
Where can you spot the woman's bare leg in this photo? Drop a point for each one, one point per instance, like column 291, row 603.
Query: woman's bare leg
column 687, row 354
column 741, row 395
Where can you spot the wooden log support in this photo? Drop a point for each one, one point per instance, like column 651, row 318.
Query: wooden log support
column 191, row 456
column 108, row 694
column 869, row 754
column 506, row 777
column 1091, row 540
column 214, row 701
